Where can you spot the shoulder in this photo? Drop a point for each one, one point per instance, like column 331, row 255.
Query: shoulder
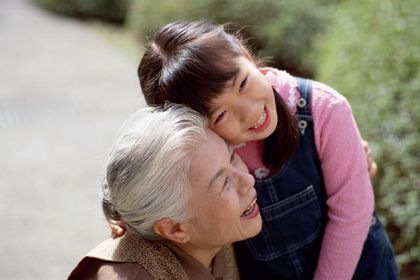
column 129, row 257
column 93, row 268
column 326, row 97
column 329, row 109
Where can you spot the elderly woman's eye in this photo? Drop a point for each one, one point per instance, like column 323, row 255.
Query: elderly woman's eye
column 227, row 180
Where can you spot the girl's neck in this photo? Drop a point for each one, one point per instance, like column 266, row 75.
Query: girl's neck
column 252, row 154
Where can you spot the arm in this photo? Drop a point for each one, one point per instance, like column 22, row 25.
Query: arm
column 349, row 190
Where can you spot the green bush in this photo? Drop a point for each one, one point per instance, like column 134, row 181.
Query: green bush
column 283, row 30
column 108, row 10
column 369, row 50
column 371, row 53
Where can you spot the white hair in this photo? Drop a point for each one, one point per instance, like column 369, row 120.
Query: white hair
column 147, row 170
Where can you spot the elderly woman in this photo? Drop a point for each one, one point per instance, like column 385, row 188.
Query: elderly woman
column 182, row 193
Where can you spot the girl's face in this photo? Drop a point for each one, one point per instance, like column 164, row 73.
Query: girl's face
column 246, row 109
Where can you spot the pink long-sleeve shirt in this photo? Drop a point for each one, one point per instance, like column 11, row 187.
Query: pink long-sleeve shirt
column 350, row 198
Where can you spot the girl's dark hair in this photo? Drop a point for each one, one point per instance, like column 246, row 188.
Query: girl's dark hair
column 191, row 62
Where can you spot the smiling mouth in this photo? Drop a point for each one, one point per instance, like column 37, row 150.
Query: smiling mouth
column 250, row 208
column 263, row 121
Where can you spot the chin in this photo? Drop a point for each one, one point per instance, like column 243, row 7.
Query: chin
column 253, row 233
column 272, row 128
column 259, row 227
column 255, row 229
column 268, row 132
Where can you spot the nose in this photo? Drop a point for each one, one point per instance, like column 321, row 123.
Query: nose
column 245, row 182
column 246, row 109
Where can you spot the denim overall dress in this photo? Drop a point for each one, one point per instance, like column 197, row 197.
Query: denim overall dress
column 294, row 212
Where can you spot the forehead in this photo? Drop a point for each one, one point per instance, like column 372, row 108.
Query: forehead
column 230, row 90
column 212, row 147
column 244, row 67
column 209, row 157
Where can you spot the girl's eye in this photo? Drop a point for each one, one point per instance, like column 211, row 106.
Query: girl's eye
column 243, row 83
column 220, row 117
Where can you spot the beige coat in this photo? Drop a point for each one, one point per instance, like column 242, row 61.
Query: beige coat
column 132, row 257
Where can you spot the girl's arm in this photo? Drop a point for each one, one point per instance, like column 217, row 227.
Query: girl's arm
column 349, row 190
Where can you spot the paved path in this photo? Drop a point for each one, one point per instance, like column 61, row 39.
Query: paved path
column 64, row 91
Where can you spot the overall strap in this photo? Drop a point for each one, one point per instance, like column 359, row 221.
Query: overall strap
column 305, row 99
column 304, row 112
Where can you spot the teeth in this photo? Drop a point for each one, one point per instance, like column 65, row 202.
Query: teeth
column 260, row 120
column 250, row 208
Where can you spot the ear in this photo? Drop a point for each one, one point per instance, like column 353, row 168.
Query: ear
column 171, row 230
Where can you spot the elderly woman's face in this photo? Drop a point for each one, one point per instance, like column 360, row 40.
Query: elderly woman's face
column 223, row 202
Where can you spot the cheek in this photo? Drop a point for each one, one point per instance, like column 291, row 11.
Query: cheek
column 218, row 221
column 261, row 81
column 230, row 204
column 222, row 204
column 229, row 132
column 266, row 87
column 215, row 206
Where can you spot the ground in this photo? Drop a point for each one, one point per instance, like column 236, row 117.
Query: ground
column 64, row 91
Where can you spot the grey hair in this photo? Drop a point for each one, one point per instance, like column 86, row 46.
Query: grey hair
column 147, row 170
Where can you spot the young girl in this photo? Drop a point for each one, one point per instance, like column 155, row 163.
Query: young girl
column 317, row 206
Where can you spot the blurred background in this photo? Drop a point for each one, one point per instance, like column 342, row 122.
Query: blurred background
column 68, row 80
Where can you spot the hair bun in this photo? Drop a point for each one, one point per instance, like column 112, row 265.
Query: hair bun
column 110, row 212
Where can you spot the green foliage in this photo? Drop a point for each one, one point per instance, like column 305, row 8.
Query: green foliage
column 369, row 50
column 282, row 30
column 108, row 10
column 371, row 53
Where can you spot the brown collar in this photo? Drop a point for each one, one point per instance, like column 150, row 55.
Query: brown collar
column 154, row 257
column 195, row 269
column 163, row 259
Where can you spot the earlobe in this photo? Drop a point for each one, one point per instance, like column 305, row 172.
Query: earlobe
column 171, row 230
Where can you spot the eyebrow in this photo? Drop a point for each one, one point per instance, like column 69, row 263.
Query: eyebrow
column 218, row 174
column 222, row 171
column 213, row 111
column 235, row 78
column 232, row 85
